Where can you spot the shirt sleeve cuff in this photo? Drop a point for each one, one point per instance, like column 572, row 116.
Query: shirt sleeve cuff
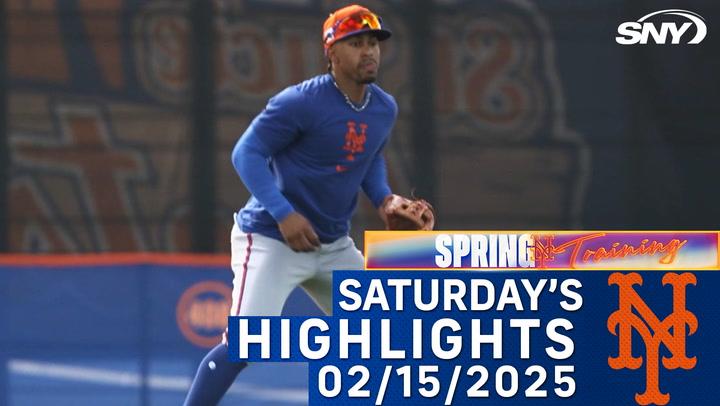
column 380, row 195
column 280, row 213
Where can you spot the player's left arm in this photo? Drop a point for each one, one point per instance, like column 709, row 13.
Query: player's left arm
column 375, row 184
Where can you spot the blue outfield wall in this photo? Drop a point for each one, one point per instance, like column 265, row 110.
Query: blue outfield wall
column 78, row 333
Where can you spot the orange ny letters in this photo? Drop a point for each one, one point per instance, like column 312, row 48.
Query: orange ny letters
column 652, row 330
column 354, row 142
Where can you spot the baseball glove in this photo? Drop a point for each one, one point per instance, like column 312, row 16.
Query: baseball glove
column 402, row 213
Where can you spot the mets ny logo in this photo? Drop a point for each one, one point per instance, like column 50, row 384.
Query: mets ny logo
column 652, row 330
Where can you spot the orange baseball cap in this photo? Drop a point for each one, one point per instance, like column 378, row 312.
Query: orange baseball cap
column 352, row 20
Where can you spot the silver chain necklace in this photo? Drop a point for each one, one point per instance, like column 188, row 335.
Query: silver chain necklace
column 350, row 102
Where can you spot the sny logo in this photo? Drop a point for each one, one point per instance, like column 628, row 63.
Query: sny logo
column 639, row 32
column 623, row 321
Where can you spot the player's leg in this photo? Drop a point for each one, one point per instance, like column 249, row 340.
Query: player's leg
column 339, row 255
column 214, row 376
column 266, row 275
column 266, row 271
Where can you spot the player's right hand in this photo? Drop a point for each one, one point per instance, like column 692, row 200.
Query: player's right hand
column 298, row 233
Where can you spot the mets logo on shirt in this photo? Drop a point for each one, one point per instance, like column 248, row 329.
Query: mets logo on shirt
column 354, row 142
column 202, row 312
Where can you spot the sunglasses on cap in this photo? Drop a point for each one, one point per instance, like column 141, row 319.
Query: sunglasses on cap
column 353, row 24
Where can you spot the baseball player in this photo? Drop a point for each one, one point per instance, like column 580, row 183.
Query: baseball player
column 304, row 159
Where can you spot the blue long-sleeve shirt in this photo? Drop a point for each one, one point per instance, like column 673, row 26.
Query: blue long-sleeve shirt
column 309, row 151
